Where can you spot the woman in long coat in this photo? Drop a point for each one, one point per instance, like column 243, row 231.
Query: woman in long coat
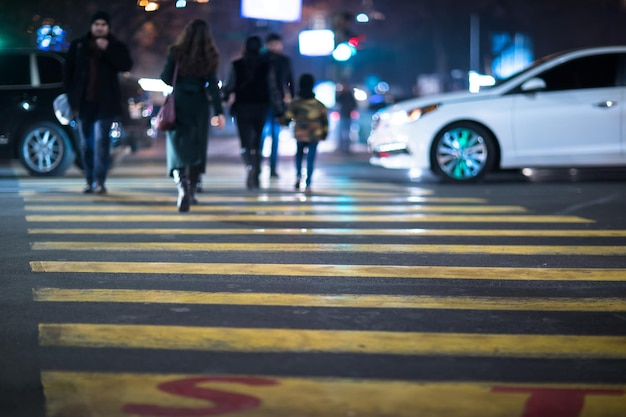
column 186, row 145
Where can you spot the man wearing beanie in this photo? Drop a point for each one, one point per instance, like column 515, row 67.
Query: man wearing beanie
column 91, row 80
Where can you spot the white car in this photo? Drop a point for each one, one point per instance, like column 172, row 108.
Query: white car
column 565, row 110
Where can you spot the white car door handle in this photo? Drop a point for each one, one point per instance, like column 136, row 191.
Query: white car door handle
column 606, row 104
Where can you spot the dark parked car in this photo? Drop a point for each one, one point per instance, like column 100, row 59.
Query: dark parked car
column 30, row 81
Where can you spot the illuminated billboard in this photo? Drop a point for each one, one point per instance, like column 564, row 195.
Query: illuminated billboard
column 282, row 10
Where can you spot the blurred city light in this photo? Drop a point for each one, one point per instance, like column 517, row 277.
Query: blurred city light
column 155, row 85
column 50, row 37
column 477, row 80
column 362, row 18
column 316, row 42
column 151, row 7
column 511, row 52
column 281, row 10
column 360, row 95
column 381, row 88
column 326, row 93
column 343, row 52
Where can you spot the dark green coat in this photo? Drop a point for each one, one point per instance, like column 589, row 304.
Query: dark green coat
column 186, row 145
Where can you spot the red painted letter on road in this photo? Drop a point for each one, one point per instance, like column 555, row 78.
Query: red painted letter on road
column 223, row 402
column 555, row 402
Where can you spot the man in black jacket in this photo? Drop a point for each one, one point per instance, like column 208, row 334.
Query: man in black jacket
column 282, row 90
column 91, row 79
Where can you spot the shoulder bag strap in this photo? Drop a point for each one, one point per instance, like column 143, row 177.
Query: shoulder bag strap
column 175, row 75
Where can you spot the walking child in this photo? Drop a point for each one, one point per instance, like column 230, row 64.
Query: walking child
column 311, row 126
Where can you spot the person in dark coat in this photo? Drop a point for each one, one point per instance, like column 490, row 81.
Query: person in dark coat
column 281, row 90
column 186, row 145
column 247, row 92
column 91, row 81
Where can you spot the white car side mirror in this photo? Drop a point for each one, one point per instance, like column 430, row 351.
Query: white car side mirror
column 534, row 84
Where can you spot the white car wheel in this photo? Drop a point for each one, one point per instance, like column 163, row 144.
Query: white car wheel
column 463, row 152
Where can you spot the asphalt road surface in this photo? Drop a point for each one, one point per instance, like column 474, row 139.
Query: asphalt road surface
column 375, row 295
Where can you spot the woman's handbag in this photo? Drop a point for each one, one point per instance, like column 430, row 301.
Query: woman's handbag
column 166, row 117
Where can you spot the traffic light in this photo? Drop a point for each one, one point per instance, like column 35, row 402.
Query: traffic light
column 344, row 51
column 346, row 47
column 346, row 41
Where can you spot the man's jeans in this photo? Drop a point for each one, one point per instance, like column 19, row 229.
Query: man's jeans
column 95, row 144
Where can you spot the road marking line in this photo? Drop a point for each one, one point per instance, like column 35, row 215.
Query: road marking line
column 266, row 209
column 335, row 248
column 337, row 231
column 335, row 300
column 139, row 196
column 229, row 339
column 334, row 218
column 91, row 394
column 356, row 271
column 230, row 185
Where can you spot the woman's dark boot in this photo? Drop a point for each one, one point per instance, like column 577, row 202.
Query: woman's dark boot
column 247, row 160
column 255, row 169
column 182, row 183
column 194, row 180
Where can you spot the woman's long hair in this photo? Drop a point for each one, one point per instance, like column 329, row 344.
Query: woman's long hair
column 195, row 51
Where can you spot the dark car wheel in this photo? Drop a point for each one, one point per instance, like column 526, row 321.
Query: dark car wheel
column 45, row 149
column 463, row 152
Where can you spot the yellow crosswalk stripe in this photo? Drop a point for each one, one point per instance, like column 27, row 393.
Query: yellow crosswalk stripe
column 347, row 198
column 334, row 218
column 332, row 231
column 335, row 248
column 327, row 270
column 334, row 341
column 92, row 394
column 129, row 186
column 343, row 208
column 334, row 300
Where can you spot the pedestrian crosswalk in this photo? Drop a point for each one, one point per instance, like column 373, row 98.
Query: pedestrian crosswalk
column 369, row 300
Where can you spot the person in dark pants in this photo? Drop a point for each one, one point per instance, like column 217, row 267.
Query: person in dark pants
column 91, row 81
column 281, row 91
column 347, row 104
column 197, row 59
column 247, row 92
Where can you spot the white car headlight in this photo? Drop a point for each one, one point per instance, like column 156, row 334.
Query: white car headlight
column 400, row 117
column 415, row 114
